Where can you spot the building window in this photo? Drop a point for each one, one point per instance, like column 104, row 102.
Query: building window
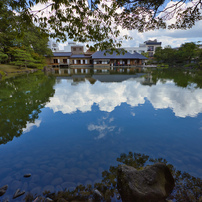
column 74, row 49
column 65, row 61
column 80, row 49
column 150, row 48
column 55, row 60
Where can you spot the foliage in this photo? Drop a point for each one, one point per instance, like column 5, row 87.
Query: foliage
column 23, row 58
column 3, row 57
column 162, row 66
column 187, row 187
column 181, row 78
column 2, row 74
column 99, row 21
column 146, row 54
column 26, row 96
column 8, row 26
column 35, row 40
column 17, row 30
column 186, row 54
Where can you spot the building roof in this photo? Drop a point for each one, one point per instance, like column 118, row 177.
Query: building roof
column 114, row 55
column 153, row 43
column 61, row 54
column 80, row 56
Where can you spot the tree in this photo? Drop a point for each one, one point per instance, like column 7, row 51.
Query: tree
column 16, row 29
column 23, row 58
column 98, row 21
column 34, row 39
column 188, row 52
column 166, row 55
column 8, row 31
column 3, row 56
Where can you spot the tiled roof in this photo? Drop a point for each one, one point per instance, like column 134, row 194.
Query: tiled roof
column 80, row 56
column 153, row 43
column 127, row 55
column 61, row 54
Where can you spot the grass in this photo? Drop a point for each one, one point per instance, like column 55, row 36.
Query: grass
column 12, row 70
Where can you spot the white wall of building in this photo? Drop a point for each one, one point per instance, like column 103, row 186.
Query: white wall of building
column 132, row 50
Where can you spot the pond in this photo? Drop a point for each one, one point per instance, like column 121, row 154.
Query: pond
column 66, row 131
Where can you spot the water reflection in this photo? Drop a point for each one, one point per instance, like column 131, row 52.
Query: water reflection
column 76, row 127
column 30, row 126
column 108, row 95
column 103, row 127
column 21, row 101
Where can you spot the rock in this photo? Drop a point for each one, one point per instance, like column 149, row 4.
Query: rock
column 154, row 183
column 48, row 199
column 18, row 193
column 45, row 68
column 58, row 188
column 3, row 190
column 67, row 185
column 27, row 175
column 57, row 181
column 97, row 193
column 36, row 190
column 49, row 188
column 47, row 178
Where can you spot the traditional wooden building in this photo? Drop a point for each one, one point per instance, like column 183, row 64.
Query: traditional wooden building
column 105, row 60
column 80, row 62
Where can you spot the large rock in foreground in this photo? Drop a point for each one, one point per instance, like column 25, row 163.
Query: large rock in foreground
column 152, row 184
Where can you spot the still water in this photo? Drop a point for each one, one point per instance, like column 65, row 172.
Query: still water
column 66, row 130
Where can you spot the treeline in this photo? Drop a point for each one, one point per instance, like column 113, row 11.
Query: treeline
column 21, row 43
column 188, row 55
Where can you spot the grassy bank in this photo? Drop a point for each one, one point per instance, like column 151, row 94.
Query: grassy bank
column 8, row 71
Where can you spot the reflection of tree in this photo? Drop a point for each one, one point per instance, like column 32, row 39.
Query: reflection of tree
column 187, row 187
column 21, row 99
column 181, row 78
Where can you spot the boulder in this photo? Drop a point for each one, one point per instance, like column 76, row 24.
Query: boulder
column 18, row 193
column 152, row 184
column 3, row 190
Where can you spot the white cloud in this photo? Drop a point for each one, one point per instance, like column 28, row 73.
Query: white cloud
column 70, row 98
column 30, row 126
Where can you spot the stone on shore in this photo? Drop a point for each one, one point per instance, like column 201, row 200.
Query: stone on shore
column 3, row 190
column 18, row 193
column 27, row 175
column 152, row 184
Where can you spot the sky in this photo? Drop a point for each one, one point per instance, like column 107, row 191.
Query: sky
column 174, row 38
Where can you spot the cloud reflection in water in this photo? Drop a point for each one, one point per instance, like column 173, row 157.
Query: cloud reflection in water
column 70, row 98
